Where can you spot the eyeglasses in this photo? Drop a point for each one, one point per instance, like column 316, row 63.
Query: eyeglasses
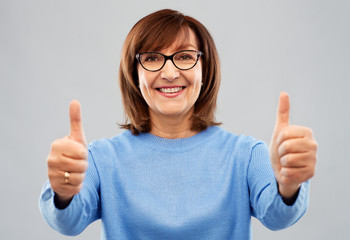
column 155, row 61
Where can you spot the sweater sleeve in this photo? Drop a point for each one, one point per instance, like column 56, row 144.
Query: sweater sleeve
column 266, row 203
column 82, row 210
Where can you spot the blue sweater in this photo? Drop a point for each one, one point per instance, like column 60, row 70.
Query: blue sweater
column 203, row 187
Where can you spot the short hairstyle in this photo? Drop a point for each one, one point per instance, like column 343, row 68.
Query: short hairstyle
column 156, row 31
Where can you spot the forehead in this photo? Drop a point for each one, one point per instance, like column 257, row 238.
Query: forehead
column 185, row 38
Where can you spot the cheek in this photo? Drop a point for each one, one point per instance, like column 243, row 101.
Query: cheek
column 197, row 76
column 141, row 76
column 143, row 80
column 146, row 80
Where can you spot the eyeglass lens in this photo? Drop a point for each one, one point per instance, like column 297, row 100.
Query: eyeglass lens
column 154, row 61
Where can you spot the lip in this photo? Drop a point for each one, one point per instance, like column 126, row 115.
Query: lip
column 170, row 95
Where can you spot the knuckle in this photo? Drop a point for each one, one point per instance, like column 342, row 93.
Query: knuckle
column 51, row 158
column 309, row 131
column 293, row 177
column 286, row 146
column 50, row 162
column 85, row 153
column 50, row 175
column 286, row 172
column 284, row 160
column 289, row 173
column 82, row 177
column 54, row 162
column 76, row 189
column 56, row 187
column 77, row 179
column 81, row 166
column 309, row 175
column 287, row 131
column 311, row 159
column 81, row 151
column 282, row 135
column 56, row 144
column 86, row 166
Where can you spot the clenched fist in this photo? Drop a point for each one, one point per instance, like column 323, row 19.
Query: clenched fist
column 292, row 151
column 67, row 160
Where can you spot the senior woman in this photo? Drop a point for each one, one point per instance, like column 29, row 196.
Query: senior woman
column 174, row 173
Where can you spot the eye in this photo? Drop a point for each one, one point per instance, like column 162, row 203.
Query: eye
column 151, row 57
column 185, row 57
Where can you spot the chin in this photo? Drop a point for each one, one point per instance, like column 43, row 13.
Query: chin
column 173, row 113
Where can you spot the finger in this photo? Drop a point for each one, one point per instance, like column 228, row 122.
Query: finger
column 296, row 175
column 76, row 125
column 66, row 189
column 293, row 131
column 69, row 148
column 295, row 145
column 296, row 160
column 75, row 150
column 75, row 179
column 73, row 166
column 282, row 116
column 63, row 187
column 67, row 164
column 59, row 178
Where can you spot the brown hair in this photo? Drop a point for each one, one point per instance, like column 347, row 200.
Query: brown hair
column 157, row 31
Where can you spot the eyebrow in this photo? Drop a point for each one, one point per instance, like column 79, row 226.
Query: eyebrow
column 182, row 46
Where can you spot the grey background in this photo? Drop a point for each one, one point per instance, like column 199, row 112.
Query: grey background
column 54, row 51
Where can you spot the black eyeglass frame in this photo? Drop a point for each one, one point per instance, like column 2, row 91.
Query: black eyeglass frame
column 170, row 57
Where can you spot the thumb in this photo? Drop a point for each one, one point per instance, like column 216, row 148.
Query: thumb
column 282, row 116
column 282, row 121
column 76, row 125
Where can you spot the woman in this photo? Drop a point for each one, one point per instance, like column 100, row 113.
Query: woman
column 174, row 174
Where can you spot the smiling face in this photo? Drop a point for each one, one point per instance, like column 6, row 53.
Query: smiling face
column 171, row 92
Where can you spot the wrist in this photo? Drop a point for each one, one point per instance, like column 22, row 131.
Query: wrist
column 288, row 191
column 61, row 202
column 289, row 194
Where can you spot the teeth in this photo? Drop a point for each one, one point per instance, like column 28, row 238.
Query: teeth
column 171, row 90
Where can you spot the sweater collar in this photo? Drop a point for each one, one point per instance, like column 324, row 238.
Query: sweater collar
column 178, row 144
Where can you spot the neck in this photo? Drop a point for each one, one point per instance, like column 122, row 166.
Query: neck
column 171, row 126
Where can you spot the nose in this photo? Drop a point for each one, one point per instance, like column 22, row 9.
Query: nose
column 169, row 71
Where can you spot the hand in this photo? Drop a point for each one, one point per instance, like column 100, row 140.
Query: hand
column 292, row 151
column 68, row 154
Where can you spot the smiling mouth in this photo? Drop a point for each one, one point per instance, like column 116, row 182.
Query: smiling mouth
column 170, row 89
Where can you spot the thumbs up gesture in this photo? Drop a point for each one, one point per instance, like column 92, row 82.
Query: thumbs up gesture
column 67, row 160
column 292, row 151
